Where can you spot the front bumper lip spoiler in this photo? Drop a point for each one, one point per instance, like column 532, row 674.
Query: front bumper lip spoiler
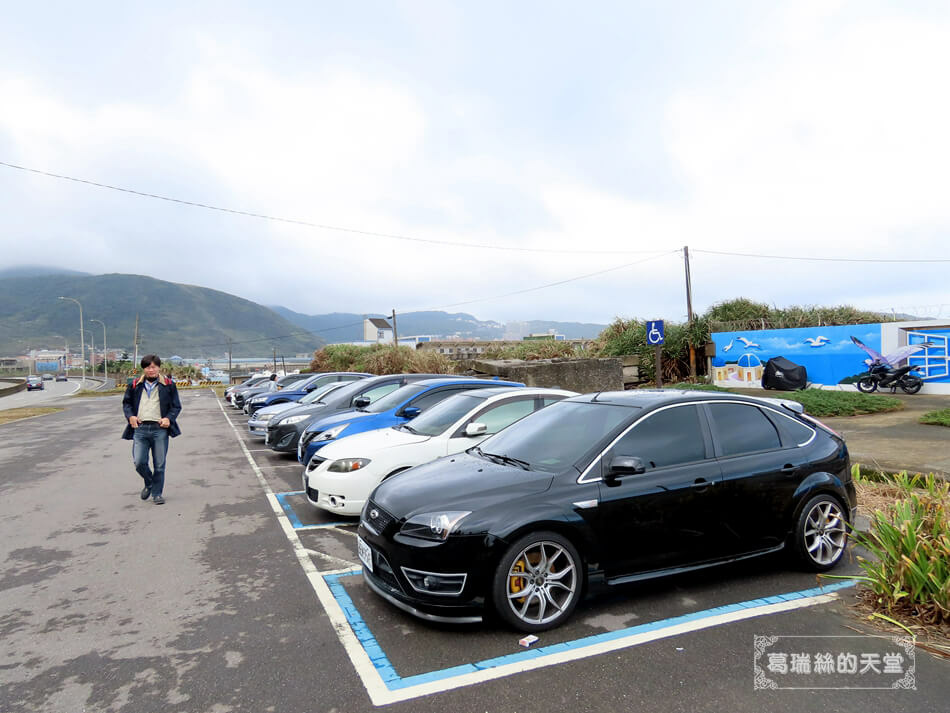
column 415, row 612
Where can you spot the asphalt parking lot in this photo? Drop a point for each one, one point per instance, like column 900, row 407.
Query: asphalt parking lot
column 237, row 596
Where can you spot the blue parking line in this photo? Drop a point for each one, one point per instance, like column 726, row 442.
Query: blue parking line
column 292, row 516
column 394, row 681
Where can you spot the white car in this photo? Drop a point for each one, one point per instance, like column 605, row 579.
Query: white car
column 340, row 477
column 257, row 424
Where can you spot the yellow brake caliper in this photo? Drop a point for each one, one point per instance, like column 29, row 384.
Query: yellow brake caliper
column 516, row 584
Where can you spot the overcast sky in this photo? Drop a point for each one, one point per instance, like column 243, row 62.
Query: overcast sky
column 811, row 129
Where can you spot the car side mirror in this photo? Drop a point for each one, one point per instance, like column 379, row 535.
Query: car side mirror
column 362, row 401
column 410, row 412
column 476, row 429
column 620, row 466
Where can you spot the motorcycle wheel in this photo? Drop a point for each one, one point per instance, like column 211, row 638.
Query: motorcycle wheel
column 867, row 385
column 911, row 384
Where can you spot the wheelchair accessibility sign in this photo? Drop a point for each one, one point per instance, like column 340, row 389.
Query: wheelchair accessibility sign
column 655, row 332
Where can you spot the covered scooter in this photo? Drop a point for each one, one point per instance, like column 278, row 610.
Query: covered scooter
column 780, row 373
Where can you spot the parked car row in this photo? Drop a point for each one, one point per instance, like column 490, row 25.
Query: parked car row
column 475, row 493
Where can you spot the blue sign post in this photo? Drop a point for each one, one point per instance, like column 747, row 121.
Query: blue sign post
column 655, row 337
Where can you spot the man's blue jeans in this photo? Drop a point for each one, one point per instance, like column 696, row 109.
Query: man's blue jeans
column 150, row 437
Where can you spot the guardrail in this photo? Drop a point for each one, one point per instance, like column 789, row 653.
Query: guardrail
column 18, row 385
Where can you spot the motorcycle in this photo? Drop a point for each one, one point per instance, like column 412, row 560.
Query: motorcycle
column 884, row 376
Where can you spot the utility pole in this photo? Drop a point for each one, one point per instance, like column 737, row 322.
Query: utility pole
column 395, row 333
column 689, row 315
column 229, row 359
column 135, row 341
column 82, row 339
column 92, row 353
column 105, row 350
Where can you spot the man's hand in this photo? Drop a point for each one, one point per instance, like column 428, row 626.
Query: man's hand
column 134, row 421
column 164, row 422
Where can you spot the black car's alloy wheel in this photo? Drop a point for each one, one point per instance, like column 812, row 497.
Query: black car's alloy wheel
column 821, row 533
column 538, row 582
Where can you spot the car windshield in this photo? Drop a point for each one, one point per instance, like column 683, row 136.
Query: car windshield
column 394, row 398
column 436, row 419
column 320, row 391
column 558, row 436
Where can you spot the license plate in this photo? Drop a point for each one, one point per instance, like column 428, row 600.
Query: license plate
column 365, row 553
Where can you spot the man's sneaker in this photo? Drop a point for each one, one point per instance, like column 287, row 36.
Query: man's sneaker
column 146, row 491
column 158, row 500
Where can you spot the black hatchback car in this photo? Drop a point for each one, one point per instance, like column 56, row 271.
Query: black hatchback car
column 623, row 486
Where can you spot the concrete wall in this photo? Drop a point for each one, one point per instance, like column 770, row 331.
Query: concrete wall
column 11, row 386
column 581, row 375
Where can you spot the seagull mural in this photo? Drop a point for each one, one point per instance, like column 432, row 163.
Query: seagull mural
column 748, row 343
column 892, row 359
column 728, row 346
column 818, row 341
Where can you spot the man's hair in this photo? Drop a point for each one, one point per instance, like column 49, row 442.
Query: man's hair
column 150, row 359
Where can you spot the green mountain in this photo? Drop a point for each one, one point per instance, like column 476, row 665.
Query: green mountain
column 348, row 327
column 173, row 319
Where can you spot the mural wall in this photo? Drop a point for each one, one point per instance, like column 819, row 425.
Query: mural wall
column 832, row 358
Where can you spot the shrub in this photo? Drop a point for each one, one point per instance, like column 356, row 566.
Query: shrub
column 908, row 573
column 380, row 359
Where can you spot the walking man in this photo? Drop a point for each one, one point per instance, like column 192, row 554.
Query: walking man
column 151, row 407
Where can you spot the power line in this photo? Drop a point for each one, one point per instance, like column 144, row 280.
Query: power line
column 321, row 226
column 554, row 284
column 818, row 259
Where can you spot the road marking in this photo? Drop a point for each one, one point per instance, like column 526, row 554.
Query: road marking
column 292, row 516
column 385, row 686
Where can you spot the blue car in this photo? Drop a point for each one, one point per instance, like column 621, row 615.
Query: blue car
column 394, row 409
column 299, row 389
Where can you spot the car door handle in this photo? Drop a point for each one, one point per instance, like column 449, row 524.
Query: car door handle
column 789, row 469
column 702, row 483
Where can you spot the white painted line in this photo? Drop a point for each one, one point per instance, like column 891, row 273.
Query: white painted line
column 365, row 669
column 348, row 566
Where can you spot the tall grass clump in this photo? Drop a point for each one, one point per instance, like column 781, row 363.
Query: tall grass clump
column 380, row 359
column 908, row 571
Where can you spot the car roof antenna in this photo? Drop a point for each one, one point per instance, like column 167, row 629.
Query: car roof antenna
column 594, row 400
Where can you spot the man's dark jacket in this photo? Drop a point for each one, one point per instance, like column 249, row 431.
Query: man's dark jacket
column 168, row 403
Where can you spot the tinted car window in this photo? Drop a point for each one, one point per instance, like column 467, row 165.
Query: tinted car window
column 378, row 395
column 742, row 429
column 555, row 438
column 791, row 431
column 343, row 397
column 318, row 393
column 667, row 437
column 504, row 415
column 437, row 395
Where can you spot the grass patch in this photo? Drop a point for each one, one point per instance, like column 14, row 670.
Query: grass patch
column 85, row 393
column 18, row 414
column 819, row 402
column 937, row 418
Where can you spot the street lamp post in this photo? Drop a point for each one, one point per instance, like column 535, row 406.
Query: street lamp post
column 82, row 339
column 105, row 350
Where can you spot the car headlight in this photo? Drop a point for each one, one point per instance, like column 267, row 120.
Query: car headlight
column 332, row 433
column 290, row 420
column 258, row 399
column 348, row 465
column 264, row 417
column 434, row 525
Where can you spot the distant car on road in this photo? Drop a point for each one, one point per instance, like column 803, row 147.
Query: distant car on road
column 47, row 377
column 34, row 382
column 61, row 377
